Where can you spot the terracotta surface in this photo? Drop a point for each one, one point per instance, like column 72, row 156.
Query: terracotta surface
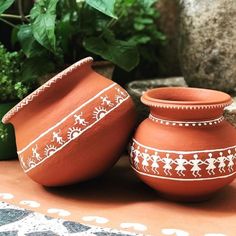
column 185, row 149
column 121, row 198
column 72, row 128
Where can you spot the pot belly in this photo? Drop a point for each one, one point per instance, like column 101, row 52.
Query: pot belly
column 185, row 162
column 82, row 144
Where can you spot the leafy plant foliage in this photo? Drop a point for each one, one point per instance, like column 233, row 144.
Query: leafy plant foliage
column 11, row 86
column 60, row 32
column 64, row 31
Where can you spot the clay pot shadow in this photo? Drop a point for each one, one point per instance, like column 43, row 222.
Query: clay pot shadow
column 118, row 185
column 221, row 202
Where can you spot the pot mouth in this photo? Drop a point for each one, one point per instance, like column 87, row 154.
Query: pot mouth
column 50, row 83
column 186, row 98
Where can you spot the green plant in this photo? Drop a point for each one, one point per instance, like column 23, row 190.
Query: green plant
column 55, row 33
column 3, row 133
column 11, row 86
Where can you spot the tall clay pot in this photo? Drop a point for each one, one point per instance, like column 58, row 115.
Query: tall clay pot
column 72, row 128
column 185, row 149
column 207, row 45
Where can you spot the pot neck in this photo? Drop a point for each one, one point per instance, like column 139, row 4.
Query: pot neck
column 189, row 114
column 186, row 104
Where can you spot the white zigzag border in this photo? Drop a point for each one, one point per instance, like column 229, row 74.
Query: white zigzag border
column 41, row 89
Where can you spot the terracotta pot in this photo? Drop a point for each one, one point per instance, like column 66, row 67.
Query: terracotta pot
column 185, row 149
column 72, row 128
column 137, row 88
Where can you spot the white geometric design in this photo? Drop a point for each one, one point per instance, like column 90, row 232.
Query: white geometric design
column 66, row 118
column 155, row 159
column 57, row 138
column 210, row 162
column 106, row 101
column 180, row 162
column 99, row 113
column 79, row 120
column 135, row 226
column 167, row 164
column 145, row 157
column 31, row 163
column 230, row 158
column 60, row 136
column 44, row 87
column 22, row 163
column 186, row 123
column 6, row 196
column 73, row 133
column 35, row 153
column 30, row 203
column 97, row 219
column 50, row 150
column 174, row 232
column 119, row 99
column 59, row 212
column 195, row 162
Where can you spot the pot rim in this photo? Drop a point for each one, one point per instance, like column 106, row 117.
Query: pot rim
column 186, row 98
column 50, row 83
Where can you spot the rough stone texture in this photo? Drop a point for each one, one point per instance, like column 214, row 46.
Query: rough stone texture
column 168, row 24
column 137, row 88
column 230, row 113
column 207, row 45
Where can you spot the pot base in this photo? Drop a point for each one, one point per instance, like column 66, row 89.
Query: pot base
column 187, row 199
column 178, row 191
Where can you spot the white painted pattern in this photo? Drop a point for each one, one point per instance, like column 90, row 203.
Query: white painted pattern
column 199, row 165
column 44, row 87
column 135, row 226
column 174, row 232
column 184, row 152
column 97, row 219
column 59, row 212
column 6, row 196
column 65, row 118
column 58, row 139
column 30, row 203
column 186, row 123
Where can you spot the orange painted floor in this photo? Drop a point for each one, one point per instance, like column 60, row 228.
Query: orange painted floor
column 119, row 200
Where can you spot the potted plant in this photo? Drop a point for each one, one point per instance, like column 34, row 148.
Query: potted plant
column 12, row 89
column 57, row 33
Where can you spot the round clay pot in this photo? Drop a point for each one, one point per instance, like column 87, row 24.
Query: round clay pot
column 185, row 149
column 72, row 128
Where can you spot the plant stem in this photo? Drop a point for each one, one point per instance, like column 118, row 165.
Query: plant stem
column 20, row 8
column 8, row 22
column 10, row 16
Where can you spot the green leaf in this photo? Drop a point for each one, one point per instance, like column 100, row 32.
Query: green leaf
column 64, row 29
column 148, row 3
column 104, row 6
column 29, row 45
column 5, row 4
column 43, row 16
column 123, row 54
column 140, row 39
column 35, row 67
column 14, row 38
